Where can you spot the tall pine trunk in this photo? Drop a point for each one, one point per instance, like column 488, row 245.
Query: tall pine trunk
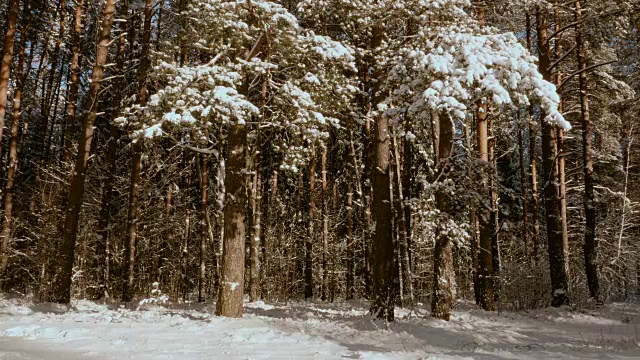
column 5, row 235
column 485, row 247
column 557, row 247
column 136, row 161
column 382, row 252
column 7, row 58
column 64, row 271
column 231, row 289
column 443, row 296
column 590, row 243
column 74, row 82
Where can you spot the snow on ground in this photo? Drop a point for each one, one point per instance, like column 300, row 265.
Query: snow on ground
column 311, row 331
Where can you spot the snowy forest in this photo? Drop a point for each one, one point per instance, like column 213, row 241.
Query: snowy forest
column 402, row 153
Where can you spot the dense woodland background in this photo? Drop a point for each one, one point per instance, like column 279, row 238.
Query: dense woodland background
column 320, row 160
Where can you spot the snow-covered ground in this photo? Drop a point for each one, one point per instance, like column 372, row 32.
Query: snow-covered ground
column 311, row 331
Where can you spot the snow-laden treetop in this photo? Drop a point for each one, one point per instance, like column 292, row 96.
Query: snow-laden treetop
column 266, row 68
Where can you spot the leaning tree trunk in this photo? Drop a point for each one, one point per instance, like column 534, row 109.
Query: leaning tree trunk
column 64, row 271
column 590, row 243
column 7, row 58
column 443, row 296
column 5, row 235
column 558, row 257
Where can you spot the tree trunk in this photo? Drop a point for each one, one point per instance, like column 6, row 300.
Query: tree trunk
column 443, row 296
column 523, row 189
column 403, row 238
column 204, row 224
column 132, row 223
column 325, row 225
column 47, row 99
column 74, row 83
column 590, row 243
column 231, row 289
column 136, row 162
column 64, row 273
column 308, row 263
column 485, row 249
column 558, row 258
column 103, row 250
column 5, row 235
column 255, row 245
column 7, row 58
column 533, row 160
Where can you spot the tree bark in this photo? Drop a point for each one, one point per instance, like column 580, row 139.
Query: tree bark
column 204, row 225
column 558, row 257
column 5, row 235
column 64, row 273
column 590, row 242
column 533, row 161
column 523, row 189
column 325, row 225
column 443, row 296
column 308, row 262
column 383, row 264
column 232, row 283
column 136, row 161
column 74, row 82
column 485, row 249
column 254, row 239
column 406, row 279
column 47, row 99
column 7, row 58
column 103, row 249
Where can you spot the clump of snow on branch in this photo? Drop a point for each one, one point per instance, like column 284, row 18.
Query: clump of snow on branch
column 294, row 83
column 450, row 68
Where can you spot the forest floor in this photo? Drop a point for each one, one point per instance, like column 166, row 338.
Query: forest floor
column 311, row 331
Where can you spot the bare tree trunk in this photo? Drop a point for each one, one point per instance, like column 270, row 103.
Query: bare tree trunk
column 590, row 243
column 136, row 162
column 132, row 223
column 5, row 235
column 103, row 248
column 443, row 296
column 325, row 225
column 403, row 238
column 473, row 219
column 384, row 270
column 350, row 244
column 558, row 258
column 74, row 82
column 47, row 99
column 523, row 189
column 533, row 160
column 308, row 263
column 7, row 58
column 254, row 239
column 62, row 285
column 485, row 248
column 204, row 224
column 232, row 283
